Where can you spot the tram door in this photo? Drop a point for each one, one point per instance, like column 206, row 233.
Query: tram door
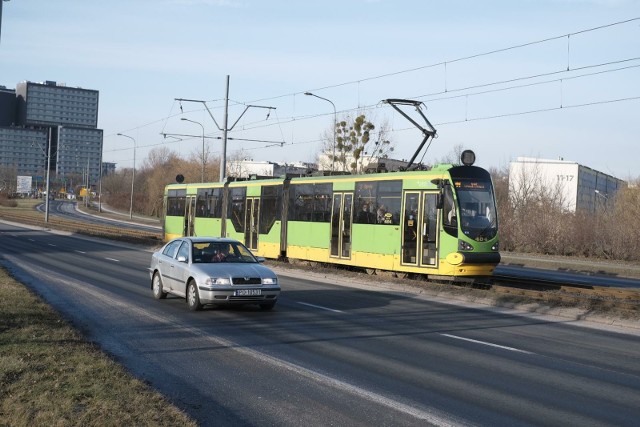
column 341, row 220
column 420, row 229
column 251, row 216
column 189, row 215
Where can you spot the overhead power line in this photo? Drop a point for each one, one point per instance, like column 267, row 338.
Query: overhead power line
column 459, row 91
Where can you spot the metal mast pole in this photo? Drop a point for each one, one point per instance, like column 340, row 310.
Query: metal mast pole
column 223, row 160
column 46, row 203
column 133, row 173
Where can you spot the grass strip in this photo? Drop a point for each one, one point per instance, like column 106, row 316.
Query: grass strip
column 50, row 375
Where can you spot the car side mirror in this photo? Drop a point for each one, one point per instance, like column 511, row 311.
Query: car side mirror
column 182, row 258
column 260, row 259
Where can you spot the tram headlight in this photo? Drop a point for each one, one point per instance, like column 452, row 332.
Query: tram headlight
column 495, row 246
column 464, row 246
column 468, row 157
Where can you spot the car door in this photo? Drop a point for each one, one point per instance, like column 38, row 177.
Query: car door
column 166, row 264
column 180, row 269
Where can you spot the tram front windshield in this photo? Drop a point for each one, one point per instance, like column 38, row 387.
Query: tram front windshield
column 477, row 208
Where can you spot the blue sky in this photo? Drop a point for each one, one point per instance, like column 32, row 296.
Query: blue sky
column 142, row 54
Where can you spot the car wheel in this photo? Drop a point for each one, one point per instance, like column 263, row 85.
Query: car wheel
column 266, row 307
column 193, row 299
column 158, row 292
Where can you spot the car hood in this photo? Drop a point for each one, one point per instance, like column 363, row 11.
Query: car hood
column 235, row 270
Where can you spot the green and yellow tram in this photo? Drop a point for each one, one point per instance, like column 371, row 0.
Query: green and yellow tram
column 440, row 222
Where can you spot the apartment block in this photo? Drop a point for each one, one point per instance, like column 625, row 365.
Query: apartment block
column 35, row 115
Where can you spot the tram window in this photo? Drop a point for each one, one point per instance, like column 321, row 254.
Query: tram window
column 209, row 203
column 389, row 202
column 270, row 210
column 176, row 202
column 365, row 202
column 449, row 212
column 310, row 202
column 175, row 206
column 322, row 194
column 378, row 202
column 237, row 198
column 301, row 202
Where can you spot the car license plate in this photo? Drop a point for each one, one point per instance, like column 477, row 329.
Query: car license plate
column 247, row 292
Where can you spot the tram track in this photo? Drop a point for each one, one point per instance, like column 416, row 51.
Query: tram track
column 552, row 292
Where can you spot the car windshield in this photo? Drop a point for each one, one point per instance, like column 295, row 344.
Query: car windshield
column 216, row 252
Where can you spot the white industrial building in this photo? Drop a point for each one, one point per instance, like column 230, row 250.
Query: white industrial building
column 248, row 168
column 576, row 186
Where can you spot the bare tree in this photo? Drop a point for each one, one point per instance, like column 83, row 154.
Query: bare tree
column 8, row 179
column 453, row 157
column 356, row 140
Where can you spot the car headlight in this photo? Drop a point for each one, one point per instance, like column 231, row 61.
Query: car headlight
column 269, row 281
column 218, row 281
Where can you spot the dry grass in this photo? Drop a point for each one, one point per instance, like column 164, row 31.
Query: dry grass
column 49, row 375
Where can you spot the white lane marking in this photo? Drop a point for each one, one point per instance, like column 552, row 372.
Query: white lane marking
column 423, row 412
column 320, row 307
column 112, row 259
column 80, row 252
column 487, row 343
column 31, row 240
column 51, row 244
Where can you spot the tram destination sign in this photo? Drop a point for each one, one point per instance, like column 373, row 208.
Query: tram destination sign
column 471, row 185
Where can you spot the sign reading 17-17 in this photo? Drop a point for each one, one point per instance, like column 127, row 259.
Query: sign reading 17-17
column 24, row 184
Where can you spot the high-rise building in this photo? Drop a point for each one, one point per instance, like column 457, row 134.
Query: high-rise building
column 55, row 104
column 7, row 105
column 50, row 112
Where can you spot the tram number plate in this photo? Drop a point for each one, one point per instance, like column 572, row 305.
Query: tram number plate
column 247, row 292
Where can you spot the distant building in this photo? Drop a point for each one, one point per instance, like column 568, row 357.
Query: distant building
column 108, row 168
column 367, row 164
column 25, row 149
column 7, row 105
column 578, row 187
column 38, row 113
column 245, row 169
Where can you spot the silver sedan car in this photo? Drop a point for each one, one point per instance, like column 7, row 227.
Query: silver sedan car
column 209, row 270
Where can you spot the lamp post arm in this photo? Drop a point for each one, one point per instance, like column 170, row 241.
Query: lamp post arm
column 335, row 123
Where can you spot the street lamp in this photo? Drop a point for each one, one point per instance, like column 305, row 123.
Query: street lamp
column 335, row 122
column 203, row 158
column 133, row 175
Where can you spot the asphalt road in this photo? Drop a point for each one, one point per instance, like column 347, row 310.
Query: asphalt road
column 334, row 353
column 67, row 209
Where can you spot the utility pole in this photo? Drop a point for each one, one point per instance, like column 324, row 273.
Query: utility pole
column 133, row 173
column 86, row 199
column 1, row 1
column 46, row 203
column 226, row 128
column 223, row 161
